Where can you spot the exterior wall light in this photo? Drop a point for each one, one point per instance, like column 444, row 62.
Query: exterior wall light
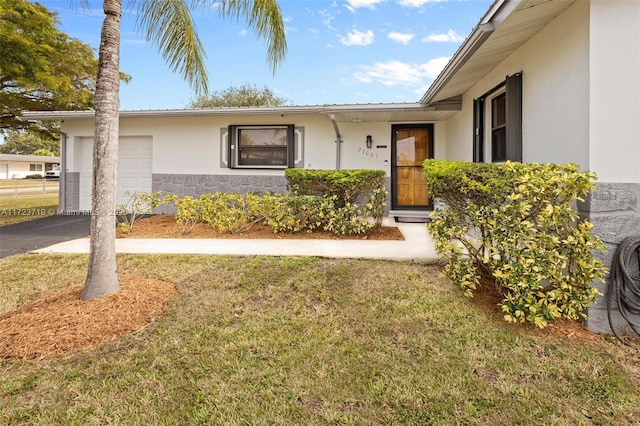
column 369, row 141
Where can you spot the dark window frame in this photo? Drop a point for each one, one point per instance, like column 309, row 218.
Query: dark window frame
column 499, row 127
column 512, row 129
column 235, row 155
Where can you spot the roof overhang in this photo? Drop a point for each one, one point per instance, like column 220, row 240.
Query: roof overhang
column 392, row 112
column 19, row 158
column 506, row 26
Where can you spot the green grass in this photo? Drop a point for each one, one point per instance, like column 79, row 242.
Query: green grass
column 28, row 183
column 26, row 207
column 310, row 341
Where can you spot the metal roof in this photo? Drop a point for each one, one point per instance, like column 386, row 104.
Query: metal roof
column 506, row 26
column 19, row 158
column 343, row 112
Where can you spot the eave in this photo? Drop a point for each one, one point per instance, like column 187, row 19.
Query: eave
column 506, row 26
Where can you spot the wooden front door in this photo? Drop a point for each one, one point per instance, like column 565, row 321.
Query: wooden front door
column 412, row 144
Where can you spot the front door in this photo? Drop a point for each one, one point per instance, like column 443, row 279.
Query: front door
column 411, row 145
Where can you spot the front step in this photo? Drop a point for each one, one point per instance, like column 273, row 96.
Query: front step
column 410, row 213
column 411, row 216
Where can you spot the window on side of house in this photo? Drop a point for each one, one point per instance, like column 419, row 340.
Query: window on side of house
column 35, row 167
column 261, row 147
column 499, row 128
column 504, row 131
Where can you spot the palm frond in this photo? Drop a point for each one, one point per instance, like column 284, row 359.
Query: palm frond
column 168, row 26
column 264, row 17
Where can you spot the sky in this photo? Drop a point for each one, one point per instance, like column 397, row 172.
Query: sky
column 339, row 51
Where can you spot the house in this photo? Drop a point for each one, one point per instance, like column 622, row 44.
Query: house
column 190, row 152
column 15, row 166
column 535, row 81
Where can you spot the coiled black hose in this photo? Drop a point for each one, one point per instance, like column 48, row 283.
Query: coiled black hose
column 625, row 288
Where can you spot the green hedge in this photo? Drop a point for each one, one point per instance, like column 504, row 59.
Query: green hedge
column 517, row 224
column 346, row 185
column 236, row 213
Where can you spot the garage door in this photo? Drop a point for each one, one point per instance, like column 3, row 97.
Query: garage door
column 134, row 168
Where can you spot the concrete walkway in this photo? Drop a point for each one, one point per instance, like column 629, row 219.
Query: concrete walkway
column 417, row 246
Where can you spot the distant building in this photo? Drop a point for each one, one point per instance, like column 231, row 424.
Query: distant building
column 15, row 166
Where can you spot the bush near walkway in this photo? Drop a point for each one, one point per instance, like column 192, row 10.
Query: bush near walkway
column 345, row 202
column 516, row 223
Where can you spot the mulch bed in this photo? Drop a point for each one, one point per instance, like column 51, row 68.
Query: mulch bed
column 165, row 226
column 61, row 323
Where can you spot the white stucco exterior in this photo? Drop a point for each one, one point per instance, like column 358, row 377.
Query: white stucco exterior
column 192, row 145
column 555, row 68
column 185, row 147
column 614, row 119
column 14, row 166
column 581, row 92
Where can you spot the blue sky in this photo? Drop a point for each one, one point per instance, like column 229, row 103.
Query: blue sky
column 339, row 51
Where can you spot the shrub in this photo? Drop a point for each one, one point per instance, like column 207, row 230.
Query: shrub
column 344, row 191
column 517, row 224
column 188, row 211
column 305, row 208
column 344, row 219
column 293, row 213
column 139, row 204
column 346, row 185
column 231, row 212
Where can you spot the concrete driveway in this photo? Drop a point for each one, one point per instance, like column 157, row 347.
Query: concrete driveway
column 36, row 234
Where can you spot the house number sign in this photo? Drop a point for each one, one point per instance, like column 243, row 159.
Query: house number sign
column 367, row 152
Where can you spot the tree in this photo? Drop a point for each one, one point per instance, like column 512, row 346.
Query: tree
column 169, row 27
column 41, row 68
column 27, row 142
column 243, row 96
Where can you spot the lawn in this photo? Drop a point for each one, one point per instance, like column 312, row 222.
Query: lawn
column 26, row 207
column 256, row 340
column 36, row 185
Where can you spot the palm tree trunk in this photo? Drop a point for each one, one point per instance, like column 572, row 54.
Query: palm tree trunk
column 101, row 274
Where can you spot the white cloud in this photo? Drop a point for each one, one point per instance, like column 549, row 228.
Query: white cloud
column 417, row 3
column 326, row 19
column 358, row 38
column 394, row 73
column 356, row 4
column 402, row 38
column 449, row 36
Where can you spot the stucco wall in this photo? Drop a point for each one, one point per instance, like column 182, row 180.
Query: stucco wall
column 187, row 152
column 191, row 145
column 555, row 66
column 614, row 124
column 20, row 169
column 614, row 134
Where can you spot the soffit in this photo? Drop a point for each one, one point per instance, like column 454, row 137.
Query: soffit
column 527, row 19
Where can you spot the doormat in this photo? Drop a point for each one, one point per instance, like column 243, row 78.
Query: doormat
column 404, row 219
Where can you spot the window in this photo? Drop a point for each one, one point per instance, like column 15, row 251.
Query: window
column 505, row 127
column 35, row 167
column 499, row 128
column 268, row 147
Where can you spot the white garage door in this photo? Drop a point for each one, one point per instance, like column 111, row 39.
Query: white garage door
column 134, row 168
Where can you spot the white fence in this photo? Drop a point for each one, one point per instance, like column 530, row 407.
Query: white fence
column 18, row 187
